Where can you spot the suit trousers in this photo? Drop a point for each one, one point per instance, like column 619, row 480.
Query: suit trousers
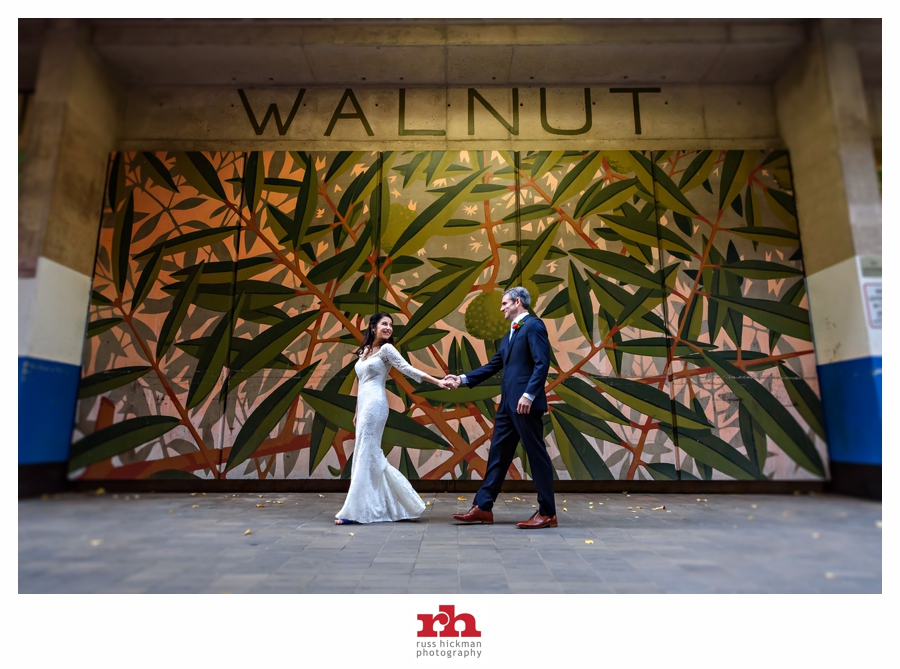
column 509, row 429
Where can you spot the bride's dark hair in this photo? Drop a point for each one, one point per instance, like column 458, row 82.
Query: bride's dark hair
column 369, row 339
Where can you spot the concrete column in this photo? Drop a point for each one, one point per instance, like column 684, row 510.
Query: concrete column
column 823, row 119
column 71, row 127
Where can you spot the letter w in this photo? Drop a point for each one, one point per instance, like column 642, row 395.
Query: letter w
column 259, row 128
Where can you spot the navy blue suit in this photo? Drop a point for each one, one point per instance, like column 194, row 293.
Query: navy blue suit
column 525, row 362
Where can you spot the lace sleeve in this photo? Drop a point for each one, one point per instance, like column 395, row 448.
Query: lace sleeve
column 393, row 357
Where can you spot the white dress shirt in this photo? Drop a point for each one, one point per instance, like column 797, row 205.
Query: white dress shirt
column 512, row 332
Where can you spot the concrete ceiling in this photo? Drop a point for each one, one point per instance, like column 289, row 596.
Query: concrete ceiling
column 415, row 52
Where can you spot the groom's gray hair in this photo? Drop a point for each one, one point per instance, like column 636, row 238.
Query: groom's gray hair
column 520, row 293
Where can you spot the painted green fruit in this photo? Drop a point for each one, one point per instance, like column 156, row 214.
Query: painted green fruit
column 399, row 218
column 533, row 291
column 619, row 161
column 484, row 319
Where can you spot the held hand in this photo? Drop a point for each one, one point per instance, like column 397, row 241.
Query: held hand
column 452, row 381
column 524, row 405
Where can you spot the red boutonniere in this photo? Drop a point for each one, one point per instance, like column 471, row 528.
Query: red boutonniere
column 517, row 324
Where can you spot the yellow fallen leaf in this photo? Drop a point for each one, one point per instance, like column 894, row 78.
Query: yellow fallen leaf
column 248, row 532
column 171, row 510
column 878, row 524
column 629, row 507
column 753, row 506
column 517, row 499
column 96, row 542
column 351, row 534
column 565, row 509
column 600, row 503
column 117, row 497
column 195, row 506
column 700, row 500
column 534, row 506
column 627, row 495
column 659, row 508
column 262, row 495
column 588, row 541
column 427, row 503
column 321, row 495
column 279, row 502
column 193, row 494
column 564, row 501
column 421, row 495
column 816, row 535
column 99, row 491
column 260, row 506
column 749, row 517
column 461, row 498
column 137, row 496
column 637, row 507
column 203, row 493
column 830, row 574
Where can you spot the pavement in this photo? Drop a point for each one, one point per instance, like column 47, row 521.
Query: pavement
column 605, row 543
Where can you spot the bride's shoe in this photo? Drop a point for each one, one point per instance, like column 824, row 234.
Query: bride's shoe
column 344, row 521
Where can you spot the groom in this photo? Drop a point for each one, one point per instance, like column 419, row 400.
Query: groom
column 524, row 357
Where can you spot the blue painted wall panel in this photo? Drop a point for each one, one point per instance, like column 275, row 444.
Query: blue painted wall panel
column 47, row 393
column 851, row 401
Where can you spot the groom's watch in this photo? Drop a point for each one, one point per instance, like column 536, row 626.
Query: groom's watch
column 462, row 380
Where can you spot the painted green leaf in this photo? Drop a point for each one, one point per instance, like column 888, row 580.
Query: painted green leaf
column 441, row 303
column 362, row 303
column 121, row 244
column 761, row 269
column 263, row 420
column 343, row 264
column 534, row 255
column 179, row 310
column 600, row 197
column 279, row 185
column 109, row 380
column 148, row 277
column 588, row 424
column 804, row 398
column 634, row 226
column 195, row 348
column 783, row 318
column 580, row 299
column 399, row 429
column 228, row 271
column 544, row 161
column 753, row 438
column 267, row 346
column 530, row 213
column 200, row 174
column 581, row 460
column 434, row 216
column 735, row 171
column 782, row 205
column 705, row 447
column 651, row 402
column 698, row 170
column 158, row 172
column 582, row 396
column 578, row 178
column 559, row 306
column 218, row 296
column 284, row 226
column 772, row 236
column 659, row 347
column 792, row 296
column 213, row 358
column 613, row 299
column 774, row 418
column 192, row 240
column 254, row 176
column 101, row 325
column 99, row 298
column 662, row 471
column 656, row 182
column 619, row 267
column 358, row 190
column 425, row 338
column 119, row 438
column 342, row 162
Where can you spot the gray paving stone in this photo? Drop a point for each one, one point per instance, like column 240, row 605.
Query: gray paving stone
column 81, row 543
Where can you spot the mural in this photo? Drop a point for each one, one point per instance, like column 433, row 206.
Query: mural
column 230, row 290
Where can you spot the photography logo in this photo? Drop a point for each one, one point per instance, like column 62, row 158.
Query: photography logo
column 448, row 634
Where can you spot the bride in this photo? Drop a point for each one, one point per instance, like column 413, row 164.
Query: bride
column 378, row 491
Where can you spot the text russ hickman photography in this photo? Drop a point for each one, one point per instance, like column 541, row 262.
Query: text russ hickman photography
column 448, row 634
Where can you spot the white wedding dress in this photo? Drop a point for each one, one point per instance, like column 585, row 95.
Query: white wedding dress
column 378, row 492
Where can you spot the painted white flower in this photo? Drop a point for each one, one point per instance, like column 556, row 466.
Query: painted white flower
column 470, row 210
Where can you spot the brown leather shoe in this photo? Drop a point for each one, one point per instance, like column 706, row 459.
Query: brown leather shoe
column 475, row 515
column 537, row 521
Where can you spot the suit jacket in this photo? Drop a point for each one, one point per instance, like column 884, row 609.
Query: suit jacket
column 525, row 363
